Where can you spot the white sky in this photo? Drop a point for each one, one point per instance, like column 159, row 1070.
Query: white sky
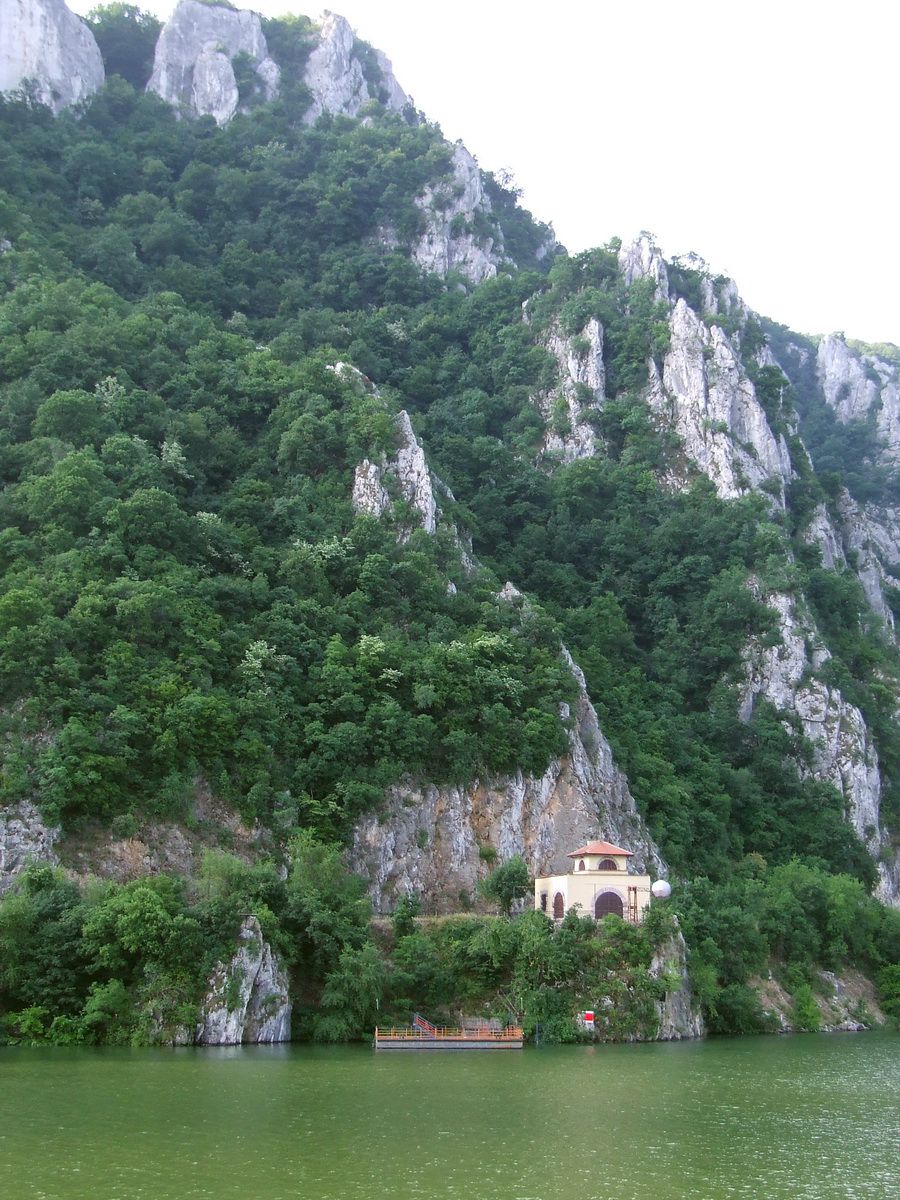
column 761, row 135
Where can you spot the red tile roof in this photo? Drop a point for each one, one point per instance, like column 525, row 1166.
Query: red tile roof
column 599, row 848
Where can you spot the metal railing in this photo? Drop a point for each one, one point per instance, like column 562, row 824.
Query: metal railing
column 449, row 1033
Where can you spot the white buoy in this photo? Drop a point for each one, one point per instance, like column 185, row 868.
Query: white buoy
column 662, row 889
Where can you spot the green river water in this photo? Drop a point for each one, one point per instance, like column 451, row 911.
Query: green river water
column 813, row 1116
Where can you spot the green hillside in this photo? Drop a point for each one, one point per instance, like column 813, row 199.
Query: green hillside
column 187, row 591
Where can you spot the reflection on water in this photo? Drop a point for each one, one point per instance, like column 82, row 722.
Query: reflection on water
column 805, row 1118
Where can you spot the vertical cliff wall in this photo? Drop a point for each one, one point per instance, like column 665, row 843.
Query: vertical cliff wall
column 45, row 47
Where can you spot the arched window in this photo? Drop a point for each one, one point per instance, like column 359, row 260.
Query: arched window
column 607, row 864
column 581, row 864
column 606, row 903
column 559, row 906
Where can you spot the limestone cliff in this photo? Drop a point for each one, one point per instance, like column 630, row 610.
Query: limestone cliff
column 641, row 259
column 847, row 1003
column 24, row 838
column 858, row 385
column 453, row 211
column 337, row 79
column 843, row 752
column 678, row 1018
column 432, row 841
column 704, row 394
column 193, row 67
column 46, row 47
column 407, row 468
column 247, row 998
column 568, row 408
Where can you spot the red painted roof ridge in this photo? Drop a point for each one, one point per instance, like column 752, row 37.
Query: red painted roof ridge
column 599, row 848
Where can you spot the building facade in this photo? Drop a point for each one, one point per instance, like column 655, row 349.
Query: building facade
column 597, row 884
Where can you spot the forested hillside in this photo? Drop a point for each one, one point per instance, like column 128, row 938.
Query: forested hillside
column 192, row 599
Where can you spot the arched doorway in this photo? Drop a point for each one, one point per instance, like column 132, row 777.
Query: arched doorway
column 606, row 903
column 559, row 906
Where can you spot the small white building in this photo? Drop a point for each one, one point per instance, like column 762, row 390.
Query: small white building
column 598, row 884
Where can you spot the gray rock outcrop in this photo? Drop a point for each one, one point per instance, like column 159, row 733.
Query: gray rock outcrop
column 24, row 838
column 429, row 839
column 678, row 1018
column 334, row 75
column 844, row 754
column 582, row 379
column 247, row 998
column 407, row 466
column 856, row 385
column 704, row 394
column 451, row 240
column 642, row 259
column 45, row 46
column 193, row 64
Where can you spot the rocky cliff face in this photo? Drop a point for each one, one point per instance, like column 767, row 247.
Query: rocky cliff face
column 193, row 64
column 641, row 259
column 407, row 468
column 677, row 1017
column 857, row 385
column 452, row 211
column 193, row 70
column 24, row 838
column 866, row 387
column 847, row 1003
column 568, row 409
column 430, row 841
column 46, row 46
column 704, row 394
column 843, row 752
column 335, row 76
column 247, row 998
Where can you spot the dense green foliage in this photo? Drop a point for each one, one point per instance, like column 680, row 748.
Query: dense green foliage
column 794, row 917
column 188, row 593
column 127, row 38
column 127, row 964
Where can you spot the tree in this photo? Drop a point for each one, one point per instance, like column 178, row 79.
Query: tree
column 507, row 883
column 127, row 39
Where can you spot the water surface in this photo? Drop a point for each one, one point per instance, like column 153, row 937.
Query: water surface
column 807, row 1118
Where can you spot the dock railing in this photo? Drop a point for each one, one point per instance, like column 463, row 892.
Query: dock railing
column 448, row 1033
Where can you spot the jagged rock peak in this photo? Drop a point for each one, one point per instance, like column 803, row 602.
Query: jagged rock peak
column 335, row 76
column 642, row 259
column 704, row 392
column 45, row 46
column 247, row 998
column 567, row 409
column 855, row 383
column 192, row 66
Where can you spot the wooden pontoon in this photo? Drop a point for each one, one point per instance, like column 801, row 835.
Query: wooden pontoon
column 422, row 1035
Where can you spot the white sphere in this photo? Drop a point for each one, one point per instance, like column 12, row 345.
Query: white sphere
column 662, row 889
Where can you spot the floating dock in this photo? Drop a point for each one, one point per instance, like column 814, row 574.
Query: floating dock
column 422, row 1035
